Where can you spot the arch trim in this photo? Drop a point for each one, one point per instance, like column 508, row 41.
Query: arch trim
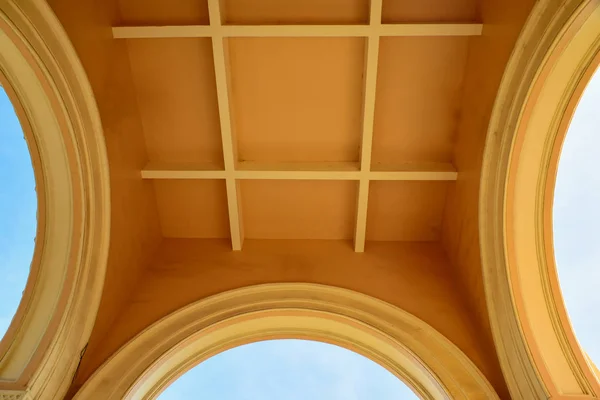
column 412, row 350
column 57, row 110
column 538, row 352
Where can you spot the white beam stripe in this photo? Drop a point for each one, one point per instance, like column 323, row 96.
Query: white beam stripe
column 227, row 137
column 192, row 31
column 304, row 171
column 369, row 91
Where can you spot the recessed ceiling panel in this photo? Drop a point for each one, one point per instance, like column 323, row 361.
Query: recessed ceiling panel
column 163, row 12
column 429, row 11
column 175, row 83
column 406, row 211
column 419, row 93
column 296, row 11
column 274, row 209
column 192, row 208
column 297, row 99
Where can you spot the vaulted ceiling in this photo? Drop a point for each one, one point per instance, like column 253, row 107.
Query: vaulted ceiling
column 268, row 140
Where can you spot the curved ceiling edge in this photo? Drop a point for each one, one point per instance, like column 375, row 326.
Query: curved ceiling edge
column 40, row 65
column 423, row 358
column 33, row 267
column 538, row 353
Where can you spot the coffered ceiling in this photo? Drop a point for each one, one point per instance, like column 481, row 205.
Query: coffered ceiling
column 299, row 119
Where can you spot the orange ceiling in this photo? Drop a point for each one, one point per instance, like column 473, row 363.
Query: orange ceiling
column 298, row 103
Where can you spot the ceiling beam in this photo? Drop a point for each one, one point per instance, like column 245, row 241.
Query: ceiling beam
column 300, row 171
column 429, row 30
column 368, row 118
column 413, row 172
column 161, row 32
column 413, row 175
column 156, row 170
column 191, row 31
column 221, row 64
column 296, row 30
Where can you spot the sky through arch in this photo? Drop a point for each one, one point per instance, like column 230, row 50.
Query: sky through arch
column 576, row 217
column 288, row 370
column 18, row 212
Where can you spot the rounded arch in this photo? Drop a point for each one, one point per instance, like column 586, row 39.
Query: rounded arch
column 539, row 354
column 280, row 367
column 56, row 107
column 405, row 345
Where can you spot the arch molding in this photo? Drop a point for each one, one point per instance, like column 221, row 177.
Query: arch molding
column 537, row 348
column 424, row 359
column 56, row 107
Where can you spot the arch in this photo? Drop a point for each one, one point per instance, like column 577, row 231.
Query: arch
column 38, row 231
column 538, row 352
column 406, row 346
column 56, row 107
column 278, row 368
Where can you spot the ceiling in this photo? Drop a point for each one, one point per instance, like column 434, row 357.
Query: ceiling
column 340, row 126
column 299, row 119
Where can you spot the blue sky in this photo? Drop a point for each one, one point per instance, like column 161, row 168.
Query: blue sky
column 577, row 220
column 288, row 370
column 18, row 207
column 294, row 369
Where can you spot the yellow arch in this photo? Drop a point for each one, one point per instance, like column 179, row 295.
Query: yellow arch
column 539, row 354
column 55, row 103
column 406, row 346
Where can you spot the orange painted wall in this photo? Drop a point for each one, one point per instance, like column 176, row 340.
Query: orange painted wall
column 134, row 224
column 488, row 54
column 413, row 276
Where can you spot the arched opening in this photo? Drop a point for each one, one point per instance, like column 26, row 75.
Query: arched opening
column 41, row 75
column 539, row 353
column 398, row 341
column 576, row 219
column 288, row 369
column 18, row 208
